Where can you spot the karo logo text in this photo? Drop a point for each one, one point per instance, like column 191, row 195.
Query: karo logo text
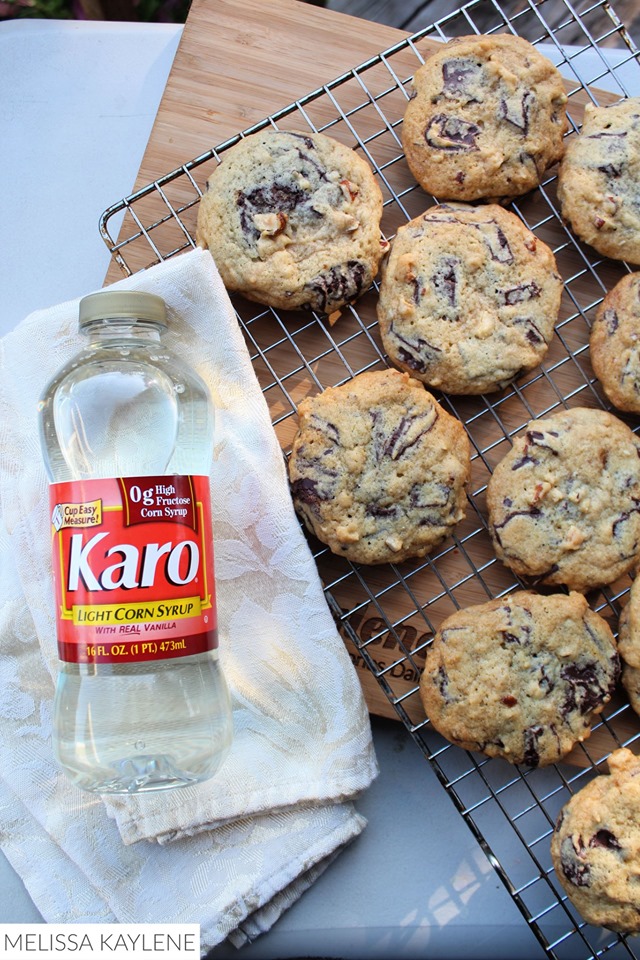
column 135, row 568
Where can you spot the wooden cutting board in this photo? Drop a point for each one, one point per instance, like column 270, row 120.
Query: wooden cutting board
column 239, row 62
column 236, row 64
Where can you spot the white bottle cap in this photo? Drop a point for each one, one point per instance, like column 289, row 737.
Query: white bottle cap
column 115, row 304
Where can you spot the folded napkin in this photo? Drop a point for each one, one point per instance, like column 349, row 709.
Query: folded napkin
column 234, row 852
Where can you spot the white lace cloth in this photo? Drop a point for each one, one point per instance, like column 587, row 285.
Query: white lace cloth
column 232, row 853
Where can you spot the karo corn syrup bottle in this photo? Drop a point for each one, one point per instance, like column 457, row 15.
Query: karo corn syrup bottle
column 126, row 430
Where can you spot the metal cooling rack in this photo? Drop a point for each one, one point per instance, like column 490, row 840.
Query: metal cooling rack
column 389, row 614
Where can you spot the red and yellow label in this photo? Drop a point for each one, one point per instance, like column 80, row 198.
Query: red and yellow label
column 133, row 568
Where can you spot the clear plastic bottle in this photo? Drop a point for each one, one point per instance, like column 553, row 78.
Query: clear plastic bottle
column 141, row 702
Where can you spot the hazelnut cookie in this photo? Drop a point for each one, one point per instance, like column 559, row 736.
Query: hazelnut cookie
column 293, row 220
column 378, row 468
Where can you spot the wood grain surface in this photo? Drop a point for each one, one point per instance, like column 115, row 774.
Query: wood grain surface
column 415, row 14
column 239, row 63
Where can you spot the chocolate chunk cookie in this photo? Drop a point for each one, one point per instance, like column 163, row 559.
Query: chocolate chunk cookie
column 564, row 503
column 629, row 645
column 378, row 469
column 520, row 678
column 468, row 299
column 486, row 119
column 595, row 846
column 293, row 220
column 614, row 344
column 599, row 180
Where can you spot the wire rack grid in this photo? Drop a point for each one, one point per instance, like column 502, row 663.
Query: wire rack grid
column 389, row 614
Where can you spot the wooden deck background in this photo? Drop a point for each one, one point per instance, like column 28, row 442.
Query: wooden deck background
column 413, row 15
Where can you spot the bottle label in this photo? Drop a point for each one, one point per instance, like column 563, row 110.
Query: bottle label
column 133, row 568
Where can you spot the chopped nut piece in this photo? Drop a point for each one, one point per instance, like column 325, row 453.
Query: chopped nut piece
column 349, row 189
column 574, row 538
column 540, row 491
column 270, row 223
column 394, row 543
column 347, row 533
